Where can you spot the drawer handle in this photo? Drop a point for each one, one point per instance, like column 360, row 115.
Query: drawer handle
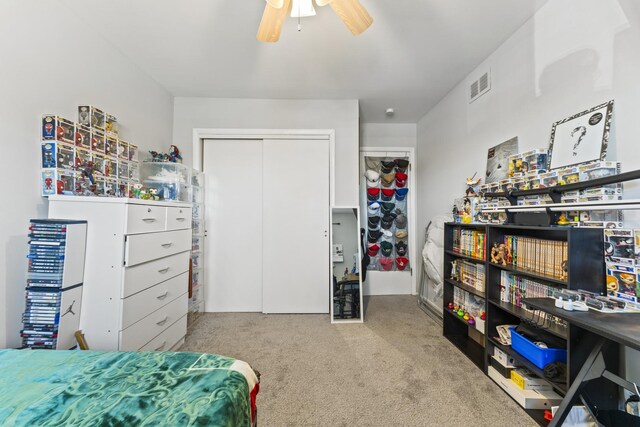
column 161, row 346
column 167, row 245
column 180, row 218
column 163, row 270
column 163, row 321
column 163, row 296
column 148, row 219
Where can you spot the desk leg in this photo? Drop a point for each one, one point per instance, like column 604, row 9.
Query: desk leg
column 593, row 368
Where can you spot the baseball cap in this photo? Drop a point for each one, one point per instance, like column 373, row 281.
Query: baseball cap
column 386, row 264
column 387, row 235
column 372, row 163
column 387, row 166
column 373, row 221
column 402, row 263
column 401, row 248
column 401, row 234
column 401, row 193
column 387, row 221
column 388, row 207
column 386, row 248
column 373, row 236
column 402, row 165
column 373, row 194
column 387, row 194
column 401, row 221
column 373, row 209
column 372, row 249
column 401, row 179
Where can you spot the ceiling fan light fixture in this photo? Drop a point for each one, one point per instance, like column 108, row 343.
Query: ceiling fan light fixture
column 302, row 9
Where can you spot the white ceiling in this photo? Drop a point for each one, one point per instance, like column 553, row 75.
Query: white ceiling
column 414, row 53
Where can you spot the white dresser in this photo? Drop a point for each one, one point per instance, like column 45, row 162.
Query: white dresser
column 135, row 294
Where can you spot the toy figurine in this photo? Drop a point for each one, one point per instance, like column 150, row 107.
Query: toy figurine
column 466, row 218
column 466, row 316
column 460, row 312
column 471, row 321
column 495, row 250
column 565, row 269
column 502, row 257
column 450, row 306
column 174, row 154
column 483, row 316
column 454, row 270
column 472, row 185
column 455, row 307
column 563, row 220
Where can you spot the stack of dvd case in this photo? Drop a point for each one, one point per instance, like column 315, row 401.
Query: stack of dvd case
column 54, row 283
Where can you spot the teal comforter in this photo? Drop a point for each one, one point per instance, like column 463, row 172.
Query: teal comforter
column 93, row 388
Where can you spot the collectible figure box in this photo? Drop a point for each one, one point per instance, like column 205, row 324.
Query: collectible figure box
column 602, row 224
column 110, row 168
column 123, row 150
column 110, row 187
column 111, row 146
column 569, row 199
column 56, row 128
column 123, row 170
column 532, row 181
column 49, row 154
column 504, row 185
column 91, row 116
column 493, row 187
column 133, row 153
column 482, row 188
column 517, row 183
column 548, row 179
column 65, row 157
column 598, row 169
column 83, row 137
column 134, row 172
column 83, row 159
column 58, row 181
column 98, row 162
column 535, row 160
column 601, row 198
column 515, row 165
column 619, row 247
column 110, row 125
column 612, row 189
column 97, row 141
column 622, row 282
column 568, row 176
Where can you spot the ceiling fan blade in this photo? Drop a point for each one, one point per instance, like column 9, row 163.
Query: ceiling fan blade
column 354, row 16
column 272, row 20
column 276, row 3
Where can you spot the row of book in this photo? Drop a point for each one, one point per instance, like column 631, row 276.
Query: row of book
column 472, row 274
column 53, row 292
column 545, row 257
column 514, row 288
column 470, row 242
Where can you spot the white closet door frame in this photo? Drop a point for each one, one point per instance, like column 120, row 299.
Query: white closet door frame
column 200, row 134
column 415, row 262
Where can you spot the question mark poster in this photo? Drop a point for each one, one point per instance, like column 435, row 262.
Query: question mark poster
column 581, row 138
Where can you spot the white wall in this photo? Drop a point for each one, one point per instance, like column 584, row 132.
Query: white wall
column 52, row 61
column 388, row 134
column 340, row 115
column 570, row 56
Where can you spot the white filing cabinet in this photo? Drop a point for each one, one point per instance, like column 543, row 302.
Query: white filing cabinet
column 135, row 294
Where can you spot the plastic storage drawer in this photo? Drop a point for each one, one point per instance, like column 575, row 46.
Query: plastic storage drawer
column 537, row 355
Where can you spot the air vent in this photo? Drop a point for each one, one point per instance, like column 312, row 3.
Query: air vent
column 480, row 87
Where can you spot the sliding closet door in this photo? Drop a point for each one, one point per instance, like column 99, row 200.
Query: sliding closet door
column 295, row 228
column 233, row 169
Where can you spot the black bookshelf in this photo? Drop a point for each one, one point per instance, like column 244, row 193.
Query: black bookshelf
column 585, row 271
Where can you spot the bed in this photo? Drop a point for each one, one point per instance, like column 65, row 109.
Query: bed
column 95, row 388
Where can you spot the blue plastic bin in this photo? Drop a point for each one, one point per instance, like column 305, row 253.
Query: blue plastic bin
column 536, row 355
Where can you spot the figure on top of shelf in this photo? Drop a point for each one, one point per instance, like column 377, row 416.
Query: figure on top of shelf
column 494, row 252
column 563, row 220
column 454, row 270
column 499, row 254
column 472, row 185
column 174, row 154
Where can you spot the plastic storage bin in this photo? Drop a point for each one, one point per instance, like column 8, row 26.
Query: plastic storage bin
column 536, row 355
column 173, row 180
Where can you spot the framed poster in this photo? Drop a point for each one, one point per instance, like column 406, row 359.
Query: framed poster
column 581, row 138
column 498, row 160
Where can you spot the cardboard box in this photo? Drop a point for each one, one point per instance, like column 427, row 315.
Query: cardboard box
column 91, row 116
column 83, row 137
column 599, row 169
column 56, row 128
column 504, row 359
column 527, row 380
column 528, row 399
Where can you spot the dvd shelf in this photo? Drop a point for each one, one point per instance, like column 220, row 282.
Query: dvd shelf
column 54, row 283
column 546, row 257
column 469, row 242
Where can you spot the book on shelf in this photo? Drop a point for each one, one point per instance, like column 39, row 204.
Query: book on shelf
column 544, row 257
column 469, row 242
column 472, row 274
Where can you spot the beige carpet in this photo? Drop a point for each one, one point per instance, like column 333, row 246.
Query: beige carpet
column 393, row 370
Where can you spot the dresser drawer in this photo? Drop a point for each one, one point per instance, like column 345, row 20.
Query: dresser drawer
column 146, row 302
column 147, row 247
column 178, row 218
column 145, row 275
column 140, row 333
column 168, row 338
column 145, row 219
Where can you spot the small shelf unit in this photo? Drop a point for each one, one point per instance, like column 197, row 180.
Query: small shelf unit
column 585, row 270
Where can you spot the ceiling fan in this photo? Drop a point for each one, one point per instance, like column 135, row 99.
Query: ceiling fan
column 351, row 12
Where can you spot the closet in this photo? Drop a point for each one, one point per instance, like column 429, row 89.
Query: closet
column 267, row 221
